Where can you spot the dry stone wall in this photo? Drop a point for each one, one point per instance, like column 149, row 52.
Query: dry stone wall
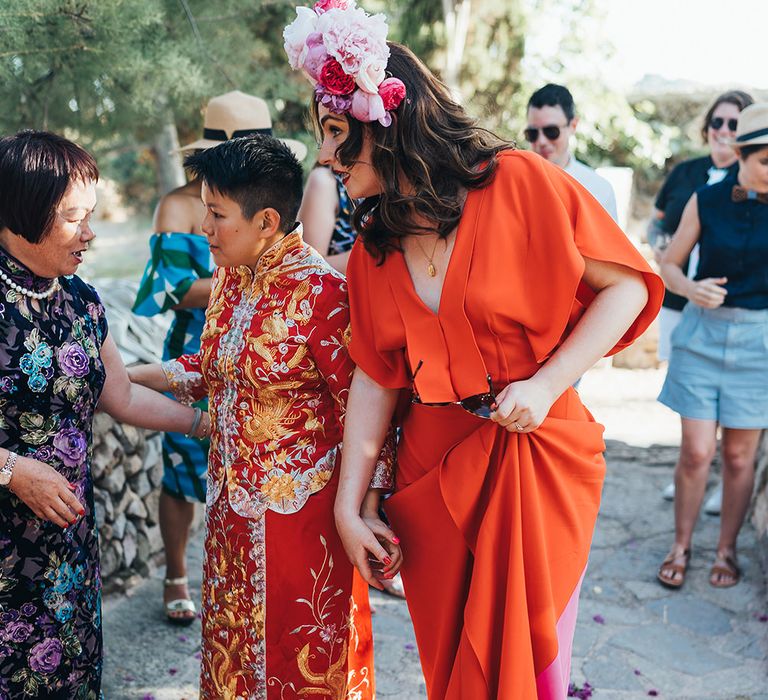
column 127, row 470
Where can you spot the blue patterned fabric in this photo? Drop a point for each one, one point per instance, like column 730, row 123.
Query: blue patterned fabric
column 176, row 261
column 51, row 377
column 344, row 235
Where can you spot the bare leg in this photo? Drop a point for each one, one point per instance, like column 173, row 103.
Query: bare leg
column 739, row 450
column 697, row 448
column 176, row 517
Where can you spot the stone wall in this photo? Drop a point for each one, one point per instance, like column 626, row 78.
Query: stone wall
column 127, row 470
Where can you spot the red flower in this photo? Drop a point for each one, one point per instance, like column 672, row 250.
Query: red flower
column 322, row 6
column 392, row 92
column 333, row 78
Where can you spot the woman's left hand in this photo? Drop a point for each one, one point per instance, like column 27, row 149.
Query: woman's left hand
column 521, row 407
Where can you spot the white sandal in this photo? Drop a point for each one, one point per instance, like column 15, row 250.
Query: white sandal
column 180, row 605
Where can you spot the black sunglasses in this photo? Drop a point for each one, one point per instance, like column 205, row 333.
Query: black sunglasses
column 717, row 122
column 551, row 132
column 480, row 405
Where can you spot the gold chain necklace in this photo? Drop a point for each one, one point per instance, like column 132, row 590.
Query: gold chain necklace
column 431, row 269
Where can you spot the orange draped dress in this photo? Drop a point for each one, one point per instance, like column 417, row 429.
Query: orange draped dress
column 495, row 526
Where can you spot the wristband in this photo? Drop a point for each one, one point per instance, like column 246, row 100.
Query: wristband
column 195, row 423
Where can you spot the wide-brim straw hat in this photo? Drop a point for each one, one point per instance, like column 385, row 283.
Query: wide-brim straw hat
column 238, row 114
column 753, row 126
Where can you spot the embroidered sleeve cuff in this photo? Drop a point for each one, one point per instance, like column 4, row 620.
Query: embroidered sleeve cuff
column 186, row 386
column 384, row 471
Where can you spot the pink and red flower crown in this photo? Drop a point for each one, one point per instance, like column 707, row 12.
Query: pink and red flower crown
column 343, row 51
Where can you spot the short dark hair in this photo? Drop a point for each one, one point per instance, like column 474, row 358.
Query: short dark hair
column 552, row 95
column 256, row 171
column 36, row 170
column 746, row 151
column 739, row 98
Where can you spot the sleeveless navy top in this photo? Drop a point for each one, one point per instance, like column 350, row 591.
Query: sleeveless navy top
column 734, row 244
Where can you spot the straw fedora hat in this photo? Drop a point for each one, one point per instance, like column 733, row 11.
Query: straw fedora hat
column 753, row 126
column 237, row 114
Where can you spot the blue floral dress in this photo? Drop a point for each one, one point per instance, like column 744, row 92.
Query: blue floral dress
column 343, row 236
column 51, row 377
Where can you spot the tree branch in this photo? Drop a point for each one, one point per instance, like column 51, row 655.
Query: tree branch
column 199, row 38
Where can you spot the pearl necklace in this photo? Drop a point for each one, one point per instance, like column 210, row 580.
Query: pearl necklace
column 28, row 292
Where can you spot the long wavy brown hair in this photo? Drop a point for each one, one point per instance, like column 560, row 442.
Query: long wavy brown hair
column 432, row 146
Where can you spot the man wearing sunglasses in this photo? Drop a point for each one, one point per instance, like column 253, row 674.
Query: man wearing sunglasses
column 552, row 121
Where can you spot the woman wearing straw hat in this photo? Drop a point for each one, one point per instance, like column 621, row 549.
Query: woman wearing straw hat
column 178, row 278
column 717, row 372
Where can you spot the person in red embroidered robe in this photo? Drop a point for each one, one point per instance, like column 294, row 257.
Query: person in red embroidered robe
column 280, row 620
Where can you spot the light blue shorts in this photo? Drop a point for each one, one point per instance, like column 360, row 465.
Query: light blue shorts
column 718, row 368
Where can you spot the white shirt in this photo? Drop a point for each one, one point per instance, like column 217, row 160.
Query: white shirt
column 597, row 186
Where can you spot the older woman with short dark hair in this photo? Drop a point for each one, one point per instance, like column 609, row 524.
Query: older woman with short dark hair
column 57, row 363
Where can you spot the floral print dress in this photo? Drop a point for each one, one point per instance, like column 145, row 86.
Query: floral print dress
column 51, row 377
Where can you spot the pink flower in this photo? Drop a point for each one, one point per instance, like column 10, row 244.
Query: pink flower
column 295, row 36
column 333, row 78
column 322, row 6
column 392, row 92
column 369, row 108
column 316, row 56
column 353, row 37
column 371, row 73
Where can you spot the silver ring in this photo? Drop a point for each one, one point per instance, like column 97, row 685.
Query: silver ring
column 518, row 427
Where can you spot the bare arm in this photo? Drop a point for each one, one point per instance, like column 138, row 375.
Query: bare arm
column 621, row 295
column 319, row 208
column 138, row 405
column 197, row 295
column 151, row 376
column 369, row 412
column 339, row 261
column 709, row 292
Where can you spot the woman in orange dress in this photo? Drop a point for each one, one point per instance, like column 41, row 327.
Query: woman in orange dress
column 485, row 281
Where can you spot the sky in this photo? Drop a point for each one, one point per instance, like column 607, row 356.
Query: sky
column 714, row 42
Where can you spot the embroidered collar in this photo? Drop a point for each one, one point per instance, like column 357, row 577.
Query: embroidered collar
column 272, row 258
column 21, row 274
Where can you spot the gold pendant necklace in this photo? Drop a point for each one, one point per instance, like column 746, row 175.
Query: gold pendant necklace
column 431, row 269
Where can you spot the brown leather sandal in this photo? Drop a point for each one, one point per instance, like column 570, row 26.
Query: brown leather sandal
column 677, row 578
column 728, row 568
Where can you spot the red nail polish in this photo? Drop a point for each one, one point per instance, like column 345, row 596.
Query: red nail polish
column 82, row 512
column 71, row 486
column 395, row 540
column 387, row 561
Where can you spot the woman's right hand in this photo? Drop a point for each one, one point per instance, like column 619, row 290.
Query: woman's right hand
column 708, row 293
column 47, row 493
column 361, row 543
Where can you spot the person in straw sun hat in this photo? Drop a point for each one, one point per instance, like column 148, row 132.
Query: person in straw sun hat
column 178, row 278
column 717, row 371
column 236, row 114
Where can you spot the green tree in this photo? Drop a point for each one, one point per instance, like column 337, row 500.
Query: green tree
column 114, row 73
column 475, row 46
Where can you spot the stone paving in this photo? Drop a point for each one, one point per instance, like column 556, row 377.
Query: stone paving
column 634, row 638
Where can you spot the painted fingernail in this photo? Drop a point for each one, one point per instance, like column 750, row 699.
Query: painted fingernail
column 387, row 561
column 82, row 512
column 395, row 539
column 71, row 486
